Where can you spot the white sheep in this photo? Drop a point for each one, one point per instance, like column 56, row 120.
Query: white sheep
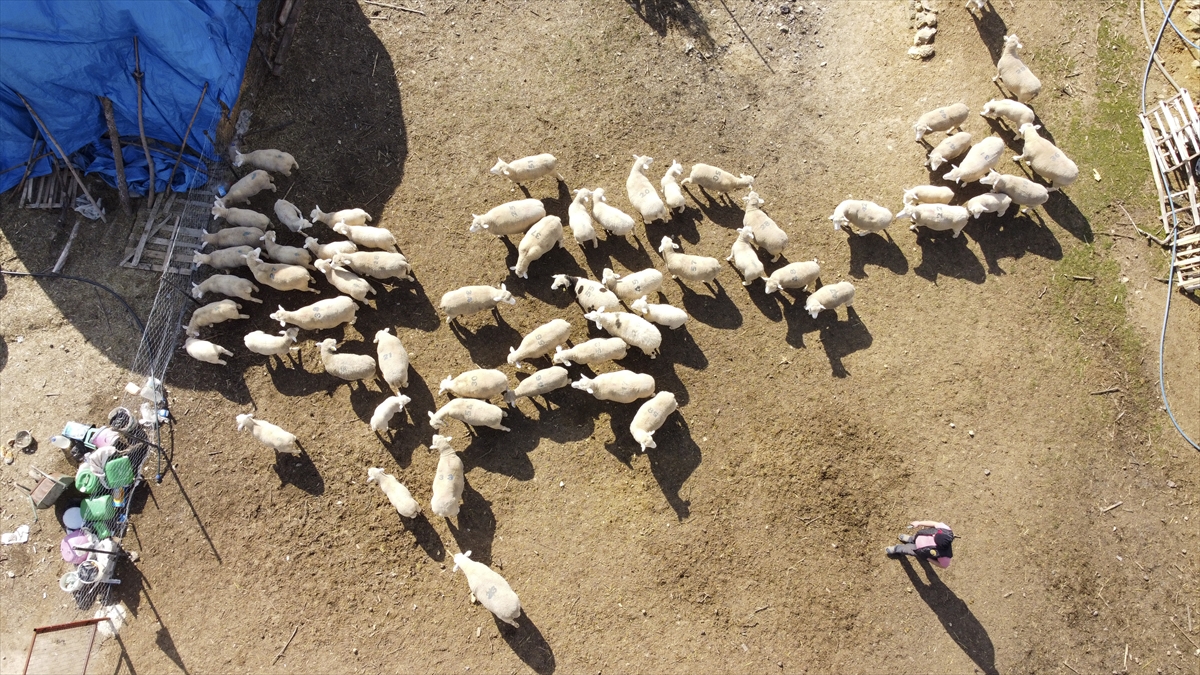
column 540, row 383
column 232, row 236
column 938, row 217
column 976, row 4
column 272, row 345
column 866, row 216
column 223, row 258
column 203, row 350
column 650, row 416
column 928, row 194
column 590, row 294
column 396, row 493
column 527, row 169
column 393, row 359
column 345, row 281
column 831, row 296
column 368, row 236
column 744, row 259
column 1014, row 111
column 672, row 193
column 537, row 242
column 642, row 194
column 490, row 589
column 268, row 434
column 663, row 315
column 579, row 217
column 767, row 234
column 622, row 386
column 712, row 178
column 269, row 160
column 481, row 383
column 289, row 214
column 248, row 186
column 1045, row 158
column 596, row 350
column 688, row 267
column 1012, row 72
column 226, row 284
column 614, row 220
column 448, row 482
column 472, row 299
column 375, row 264
column 950, row 148
column 347, row 216
column 349, row 367
column 981, row 158
column 633, row 285
column 988, row 202
column 327, row 251
column 320, row 315
column 509, row 218
column 1020, row 189
column 540, row 341
column 290, row 255
column 213, row 313
column 796, row 275
column 382, row 417
column 471, row 412
column 633, row 329
column 280, row 276
column 945, row 118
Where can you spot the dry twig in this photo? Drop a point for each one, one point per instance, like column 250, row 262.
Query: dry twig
column 402, row 9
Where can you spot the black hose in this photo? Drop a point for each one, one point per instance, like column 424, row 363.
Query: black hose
column 55, row 275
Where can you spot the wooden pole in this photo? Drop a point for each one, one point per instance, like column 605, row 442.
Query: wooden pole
column 28, row 164
column 137, row 75
column 62, row 257
column 70, row 166
column 115, row 139
column 183, row 143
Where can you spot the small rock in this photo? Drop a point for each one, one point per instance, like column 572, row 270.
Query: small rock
column 971, row 434
column 987, row 472
column 952, row 425
column 1171, row 484
column 785, row 9
column 924, row 36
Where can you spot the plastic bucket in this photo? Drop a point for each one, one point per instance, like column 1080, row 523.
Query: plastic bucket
column 100, row 529
column 73, row 539
column 118, row 473
column 86, row 481
column 70, row 582
column 98, row 508
column 72, row 519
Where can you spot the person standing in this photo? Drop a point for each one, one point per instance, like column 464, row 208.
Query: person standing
column 933, row 541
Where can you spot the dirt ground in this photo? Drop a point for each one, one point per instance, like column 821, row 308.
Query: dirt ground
column 959, row 387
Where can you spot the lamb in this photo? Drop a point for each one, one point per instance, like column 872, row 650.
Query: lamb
column 745, row 260
column 249, row 185
column 1014, row 111
column 368, row 236
column 945, row 118
column 472, row 299
column 650, row 417
column 320, row 315
column 203, row 350
column 226, row 284
column 509, row 218
column 279, row 276
column 375, row 264
column 988, row 202
column 347, row 216
column 928, row 194
column 642, row 194
column 212, row 313
column 396, row 493
column 579, row 216
column 327, row 251
column 795, row 275
column 623, row 386
column 540, row 383
column 269, row 160
column 617, row 222
column 490, row 589
column 767, row 235
column 591, row 295
column 633, row 285
column 1021, row 190
column 393, row 359
column 232, row 236
column 596, row 350
column 481, row 383
column 289, row 214
column 950, row 148
column 448, row 482
column 1045, row 158
column 290, row 255
column 527, row 169
column 939, row 217
column 1012, row 72
column 866, row 216
column 718, row 180
column 688, row 267
column 382, row 417
column 981, row 158
column 241, row 217
column 271, row 345
column 633, row 329
column 830, row 297
column 345, row 281
column 540, row 341
column 537, row 242
column 470, row 412
column 348, row 367
column 268, row 434
column 663, row 315
column 672, row 194
column 223, row 258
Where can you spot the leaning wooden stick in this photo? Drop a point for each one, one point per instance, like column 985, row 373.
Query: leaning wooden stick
column 118, row 160
column 70, row 167
column 137, row 76
column 183, row 143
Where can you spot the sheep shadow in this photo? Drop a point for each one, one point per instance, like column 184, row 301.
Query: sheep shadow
column 527, row 643
column 717, row 310
column 300, row 471
column 842, row 338
column 476, row 528
column 877, row 250
column 943, row 254
column 488, row 345
column 228, row 381
column 764, row 300
column 798, row 320
column 403, row 438
column 673, row 461
column 629, row 251
column 724, row 212
column 402, row 304
column 425, row 536
column 992, row 30
column 1011, row 237
column 679, row 347
column 541, row 275
column 682, row 225
column 1063, row 211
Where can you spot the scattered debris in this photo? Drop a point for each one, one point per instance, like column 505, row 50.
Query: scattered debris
column 20, row 536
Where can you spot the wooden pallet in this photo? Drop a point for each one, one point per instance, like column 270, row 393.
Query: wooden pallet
column 1171, row 133
column 50, row 191
column 173, row 233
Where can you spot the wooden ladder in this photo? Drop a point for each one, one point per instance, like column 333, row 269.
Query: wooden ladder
column 1171, row 132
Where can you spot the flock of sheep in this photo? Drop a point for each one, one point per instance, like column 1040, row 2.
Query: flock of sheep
column 243, row 241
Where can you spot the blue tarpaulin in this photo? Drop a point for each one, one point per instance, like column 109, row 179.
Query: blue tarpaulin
column 61, row 55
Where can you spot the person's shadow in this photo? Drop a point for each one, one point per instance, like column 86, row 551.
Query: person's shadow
column 956, row 617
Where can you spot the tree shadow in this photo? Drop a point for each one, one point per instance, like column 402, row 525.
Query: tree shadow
column 942, row 254
column 956, row 617
column 527, row 643
column 1011, row 237
column 718, row 310
column 300, row 471
column 1063, row 211
column 476, row 527
column 488, row 345
column 425, row 535
column 842, row 338
column 878, row 250
column 673, row 461
column 992, row 30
